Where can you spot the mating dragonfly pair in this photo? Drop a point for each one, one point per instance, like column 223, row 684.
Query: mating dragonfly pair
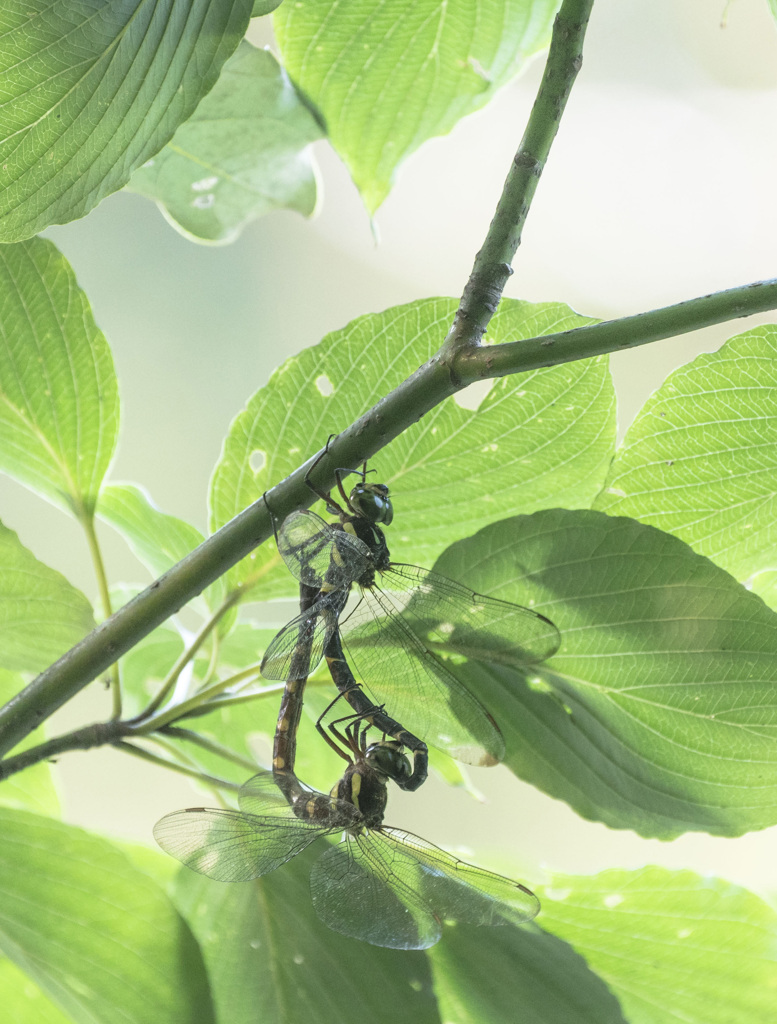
column 379, row 884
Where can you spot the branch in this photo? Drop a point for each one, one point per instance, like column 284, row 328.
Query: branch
column 492, row 267
column 460, row 362
column 89, row 736
column 617, row 335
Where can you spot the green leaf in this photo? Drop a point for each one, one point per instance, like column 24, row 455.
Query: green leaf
column 700, row 460
column 269, row 958
column 33, row 788
column 93, row 90
column 59, row 403
column 672, row 946
column 264, row 7
column 521, row 974
column 22, row 1000
column 387, row 77
column 536, row 439
column 98, row 935
column 244, row 151
column 157, row 539
column 659, row 712
column 41, row 614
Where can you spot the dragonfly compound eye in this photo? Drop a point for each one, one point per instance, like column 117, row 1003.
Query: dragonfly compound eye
column 372, row 502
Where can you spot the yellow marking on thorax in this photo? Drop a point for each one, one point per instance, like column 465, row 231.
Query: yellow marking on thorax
column 310, row 808
column 356, row 785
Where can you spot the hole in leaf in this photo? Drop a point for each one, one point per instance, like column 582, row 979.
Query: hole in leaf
column 324, row 385
column 472, row 396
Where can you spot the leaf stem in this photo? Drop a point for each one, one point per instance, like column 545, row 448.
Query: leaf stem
column 87, row 521
column 212, row 746
column 193, row 773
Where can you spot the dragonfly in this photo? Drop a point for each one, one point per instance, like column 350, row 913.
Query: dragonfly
column 397, row 621
column 379, row 884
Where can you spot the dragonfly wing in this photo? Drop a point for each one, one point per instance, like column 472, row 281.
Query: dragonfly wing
column 297, row 649
column 317, row 553
column 230, row 846
column 455, row 890
column 356, row 892
column 418, row 690
column 261, row 797
column 448, row 616
column 305, row 544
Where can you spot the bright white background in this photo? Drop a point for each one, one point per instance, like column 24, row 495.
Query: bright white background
column 659, row 188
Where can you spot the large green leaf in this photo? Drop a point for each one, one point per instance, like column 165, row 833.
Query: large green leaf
column 387, row 77
column 41, row 614
column 270, row 959
column 659, row 712
column 22, row 1000
column 98, row 935
column 522, row 974
column 59, row 403
column 536, row 440
column 33, row 788
column 92, row 90
column 700, row 460
column 672, row 946
column 244, row 151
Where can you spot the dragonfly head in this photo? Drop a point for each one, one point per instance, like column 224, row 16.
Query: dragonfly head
column 372, row 502
column 388, row 760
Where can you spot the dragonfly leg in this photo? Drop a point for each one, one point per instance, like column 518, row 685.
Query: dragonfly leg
column 343, row 744
column 325, row 496
column 273, row 518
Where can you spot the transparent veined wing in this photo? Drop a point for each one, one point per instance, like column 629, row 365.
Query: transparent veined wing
column 316, row 552
column 450, row 617
column 416, row 687
column 231, row 846
column 356, row 892
column 454, row 889
column 296, row 650
column 391, row 888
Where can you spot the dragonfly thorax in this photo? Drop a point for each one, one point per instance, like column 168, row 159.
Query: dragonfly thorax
column 375, row 540
column 365, row 788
